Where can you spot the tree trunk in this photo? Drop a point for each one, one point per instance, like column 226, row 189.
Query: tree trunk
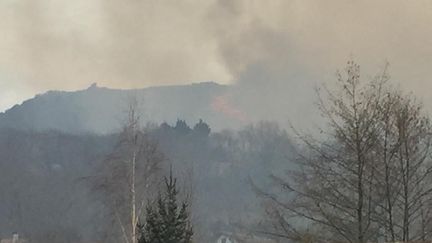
column 133, row 206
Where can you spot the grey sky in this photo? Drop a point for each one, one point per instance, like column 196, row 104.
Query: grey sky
column 67, row 45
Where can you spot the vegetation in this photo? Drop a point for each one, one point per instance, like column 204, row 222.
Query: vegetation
column 167, row 221
column 128, row 176
column 368, row 179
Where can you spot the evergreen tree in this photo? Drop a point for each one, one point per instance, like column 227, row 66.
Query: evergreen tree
column 166, row 222
column 202, row 128
column 182, row 127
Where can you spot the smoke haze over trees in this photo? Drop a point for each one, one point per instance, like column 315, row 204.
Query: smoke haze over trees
column 364, row 176
column 46, row 189
column 216, row 121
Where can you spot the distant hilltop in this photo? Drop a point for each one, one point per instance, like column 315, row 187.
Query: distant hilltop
column 101, row 110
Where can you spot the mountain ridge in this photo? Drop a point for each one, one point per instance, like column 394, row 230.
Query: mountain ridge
column 100, row 109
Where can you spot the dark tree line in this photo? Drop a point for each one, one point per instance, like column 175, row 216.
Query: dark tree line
column 45, row 194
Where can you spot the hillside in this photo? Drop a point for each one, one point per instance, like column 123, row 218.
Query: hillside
column 101, row 110
column 56, row 173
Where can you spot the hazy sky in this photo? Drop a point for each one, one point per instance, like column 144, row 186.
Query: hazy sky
column 287, row 44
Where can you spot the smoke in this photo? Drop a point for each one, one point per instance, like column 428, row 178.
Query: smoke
column 277, row 52
column 274, row 52
column 68, row 45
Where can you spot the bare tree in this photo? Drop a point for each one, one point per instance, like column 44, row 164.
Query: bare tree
column 388, row 174
column 333, row 187
column 369, row 179
column 414, row 133
column 403, row 168
column 127, row 176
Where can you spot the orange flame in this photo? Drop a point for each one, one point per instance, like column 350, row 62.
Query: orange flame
column 223, row 105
